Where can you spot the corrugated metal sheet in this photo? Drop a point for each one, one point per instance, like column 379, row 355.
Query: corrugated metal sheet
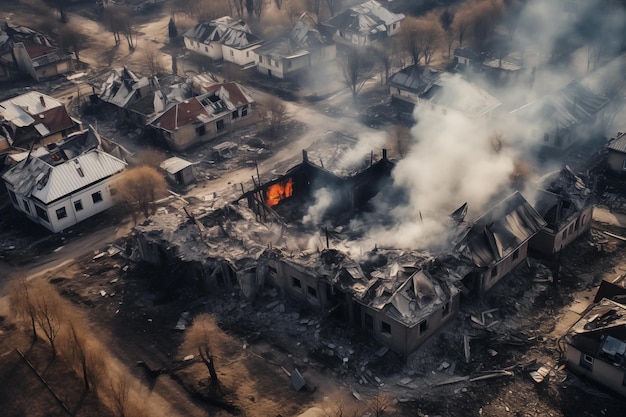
column 366, row 18
column 33, row 177
column 174, row 165
column 29, row 103
column 618, row 144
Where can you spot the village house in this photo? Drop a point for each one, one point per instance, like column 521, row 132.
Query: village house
column 304, row 47
column 440, row 92
column 200, row 119
column 563, row 117
column 566, row 205
column 178, row 172
column 63, row 183
column 123, row 87
column 595, row 346
column 34, row 119
column 498, row 241
column 465, row 58
column 28, row 52
column 365, row 24
column 616, row 154
column 224, row 38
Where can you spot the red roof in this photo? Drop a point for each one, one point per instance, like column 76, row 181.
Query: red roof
column 181, row 115
column 55, row 119
column 235, row 95
column 36, row 50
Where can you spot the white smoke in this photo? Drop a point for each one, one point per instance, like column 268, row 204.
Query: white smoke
column 315, row 213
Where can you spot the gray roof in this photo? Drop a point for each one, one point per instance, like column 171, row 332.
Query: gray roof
column 366, row 18
column 174, row 165
column 18, row 110
column 226, row 31
column 564, row 107
column 56, row 174
column 618, row 143
column 301, row 40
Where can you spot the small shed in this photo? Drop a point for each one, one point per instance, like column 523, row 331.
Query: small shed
column 616, row 156
column 178, row 171
column 224, row 150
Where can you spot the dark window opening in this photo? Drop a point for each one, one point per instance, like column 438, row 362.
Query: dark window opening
column 61, row 213
column 13, row 197
column 220, row 125
column 586, row 361
column 201, row 130
column 41, row 213
column 423, row 327
column 78, row 205
column 516, row 254
column 369, row 322
column 260, row 59
column 26, row 207
column 244, row 110
column 296, row 282
column 385, row 328
column 446, row 309
column 96, row 197
column 312, row 292
column 272, row 270
column 494, row 271
column 235, row 114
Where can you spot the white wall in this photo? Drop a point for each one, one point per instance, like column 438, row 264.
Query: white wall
column 239, row 56
column 213, row 50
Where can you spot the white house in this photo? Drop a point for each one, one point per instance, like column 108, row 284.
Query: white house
column 224, row 38
column 61, row 184
column 364, row 24
column 304, row 47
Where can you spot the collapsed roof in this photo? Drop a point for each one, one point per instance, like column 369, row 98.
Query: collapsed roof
column 234, row 33
column 11, row 34
column 369, row 18
column 301, row 40
column 122, row 85
column 566, row 107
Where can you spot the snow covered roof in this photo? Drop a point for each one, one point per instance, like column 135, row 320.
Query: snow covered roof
column 234, row 33
column 366, row 18
column 121, row 85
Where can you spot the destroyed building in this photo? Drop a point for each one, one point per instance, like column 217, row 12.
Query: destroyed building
column 595, row 346
column 34, row 118
column 123, row 87
column 565, row 203
column 400, row 297
column 616, row 154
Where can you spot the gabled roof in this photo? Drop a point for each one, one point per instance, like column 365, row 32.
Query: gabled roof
column 303, row 38
column 562, row 185
column 57, row 173
column 11, row 33
column 226, row 31
column 174, row 165
column 601, row 332
column 121, row 85
column 367, row 18
column 444, row 89
column 564, row 107
column 502, row 230
column 618, row 143
column 219, row 99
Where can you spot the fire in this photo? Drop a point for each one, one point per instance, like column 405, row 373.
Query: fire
column 278, row 192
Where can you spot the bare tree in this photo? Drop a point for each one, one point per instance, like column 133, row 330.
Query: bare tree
column 112, row 18
column 120, row 393
column 400, row 138
column 257, row 7
column 352, row 66
column 138, row 189
column 275, row 114
column 461, row 23
column 279, row 3
column 239, row 6
column 49, row 313
column 385, row 52
column 61, row 6
column 152, row 59
column 420, row 37
column 332, row 5
column 72, row 38
column 379, row 403
column 410, row 38
column 75, row 348
column 21, row 301
column 204, row 337
column 447, row 19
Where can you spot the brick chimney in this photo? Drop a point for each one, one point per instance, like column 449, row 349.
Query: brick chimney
column 42, row 101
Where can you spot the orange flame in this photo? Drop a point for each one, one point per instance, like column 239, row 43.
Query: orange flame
column 277, row 192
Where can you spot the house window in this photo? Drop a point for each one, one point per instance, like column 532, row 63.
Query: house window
column 516, row 254
column 577, row 226
column 41, row 213
column 624, row 165
column 564, row 234
column 341, row 34
column 272, row 270
column 446, row 309
column 235, row 114
column 220, row 125
column 26, row 206
column 201, row 130
column 586, row 361
column 423, row 327
column 260, row 58
column 296, row 282
column 78, row 205
column 385, row 328
column 276, row 63
column 369, row 322
column 494, row 271
column 206, row 49
column 571, row 229
column 394, row 26
column 289, row 64
column 232, row 53
column 96, row 197
column 312, row 292
column 244, row 110
column 13, row 197
column 61, row 213
column 247, row 54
